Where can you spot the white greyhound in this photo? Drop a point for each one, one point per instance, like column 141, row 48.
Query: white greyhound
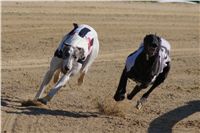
column 76, row 52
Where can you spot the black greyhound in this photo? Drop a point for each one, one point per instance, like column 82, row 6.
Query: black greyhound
column 149, row 65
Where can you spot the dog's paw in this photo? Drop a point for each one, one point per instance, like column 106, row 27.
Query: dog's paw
column 140, row 103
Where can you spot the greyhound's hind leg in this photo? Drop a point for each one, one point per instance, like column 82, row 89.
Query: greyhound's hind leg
column 141, row 102
column 134, row 92
column 80, row 79
column 56, row 76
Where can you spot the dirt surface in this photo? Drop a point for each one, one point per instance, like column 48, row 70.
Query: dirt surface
column 31, row 32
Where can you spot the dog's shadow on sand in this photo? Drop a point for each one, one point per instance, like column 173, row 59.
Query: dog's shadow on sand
column 165, row 122
column 33, row 110
column 44, row 111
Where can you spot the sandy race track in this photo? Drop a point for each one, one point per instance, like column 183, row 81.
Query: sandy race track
column 31, row 32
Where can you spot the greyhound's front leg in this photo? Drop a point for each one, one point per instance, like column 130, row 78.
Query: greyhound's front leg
column 54, row 65
column 63, row 80
column 46, row 80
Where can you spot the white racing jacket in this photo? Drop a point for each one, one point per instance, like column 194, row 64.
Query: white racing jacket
column 82, row 37
column 163, row 57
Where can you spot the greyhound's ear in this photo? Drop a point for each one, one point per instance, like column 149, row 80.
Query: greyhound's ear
column 75, row 25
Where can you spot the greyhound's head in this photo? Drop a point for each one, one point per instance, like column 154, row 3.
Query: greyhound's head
column 152, row 44
column 73, row 49
column 70, row 55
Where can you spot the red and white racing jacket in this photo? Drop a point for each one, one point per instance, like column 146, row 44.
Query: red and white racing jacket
column 81, row 37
